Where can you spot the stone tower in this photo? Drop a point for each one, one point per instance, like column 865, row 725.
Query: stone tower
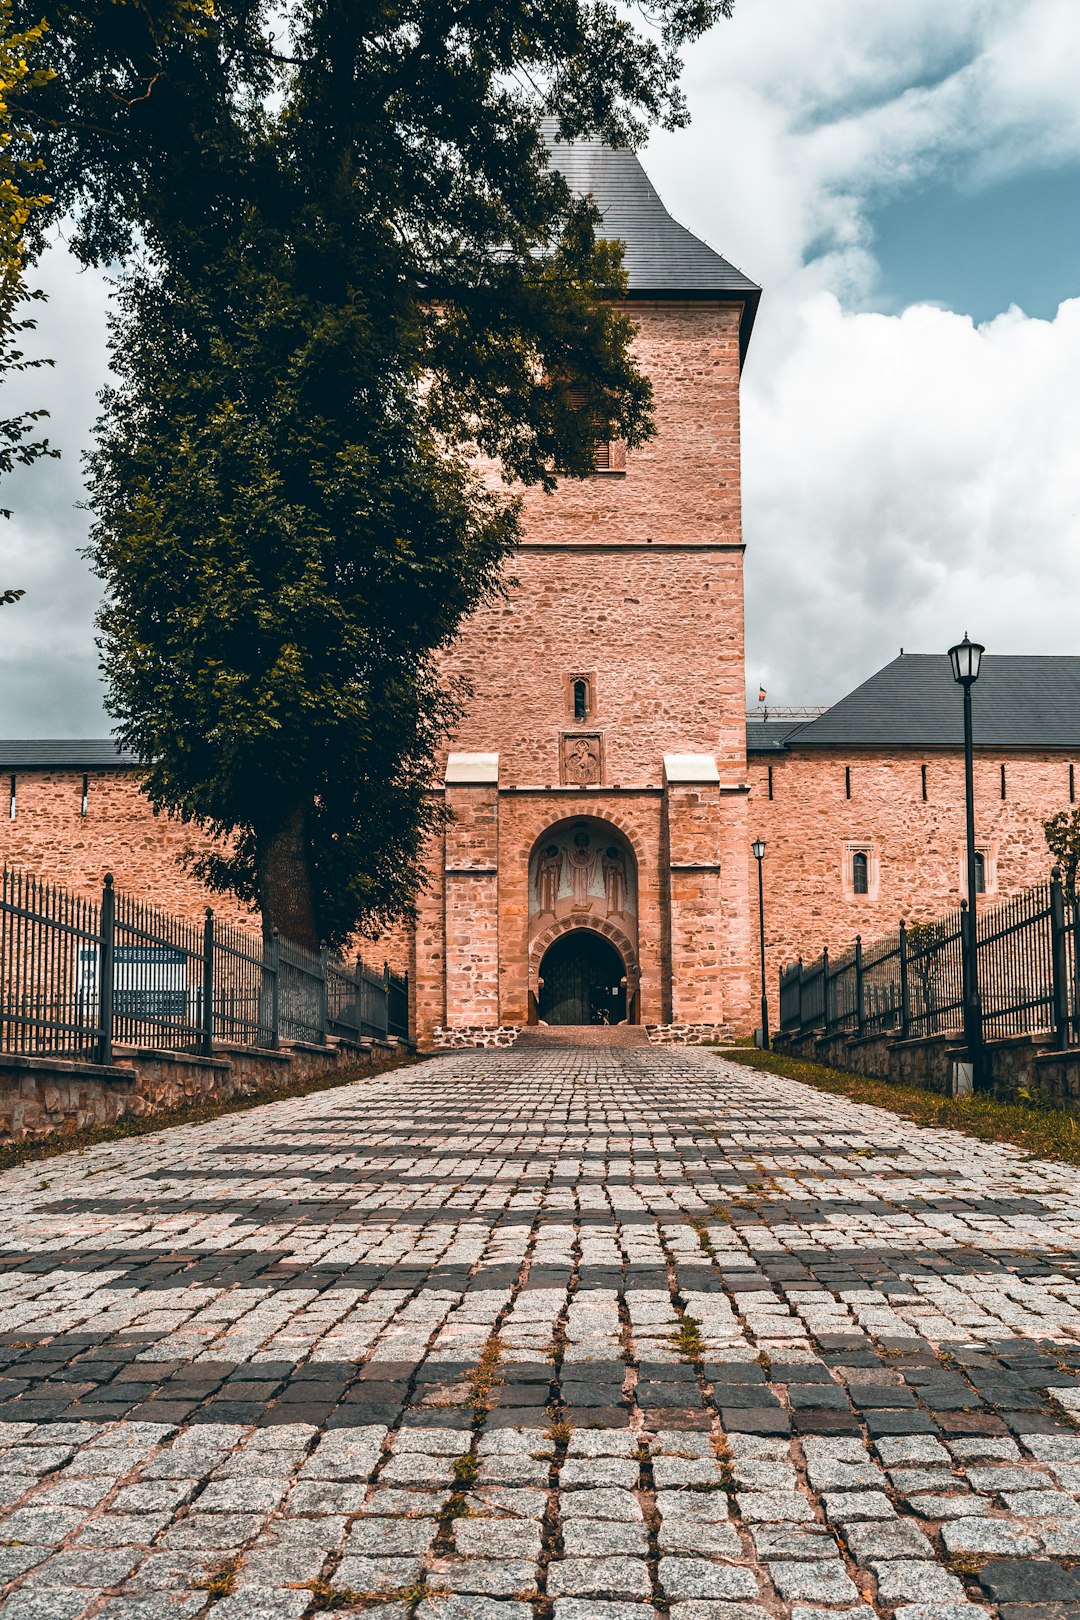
column 596, row 865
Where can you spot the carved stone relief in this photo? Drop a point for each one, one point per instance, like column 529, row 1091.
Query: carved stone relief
column 582, row 758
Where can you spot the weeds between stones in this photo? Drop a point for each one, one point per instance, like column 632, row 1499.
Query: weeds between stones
column 465, row 1468
column 687, row 1339
column 966, row 1565
column 329, row 1596
column 220, row 1579
column 484, row 1375
column 705, row 1242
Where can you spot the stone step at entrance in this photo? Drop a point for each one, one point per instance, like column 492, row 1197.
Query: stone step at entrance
column 583, row 1035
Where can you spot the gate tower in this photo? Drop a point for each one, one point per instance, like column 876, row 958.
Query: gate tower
column 597, row 783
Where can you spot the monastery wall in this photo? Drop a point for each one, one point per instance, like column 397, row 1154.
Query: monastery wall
column 916, row 847
column 685, row 483
column 51, row 838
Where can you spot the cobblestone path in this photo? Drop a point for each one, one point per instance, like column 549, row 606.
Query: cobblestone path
column 597, row 1335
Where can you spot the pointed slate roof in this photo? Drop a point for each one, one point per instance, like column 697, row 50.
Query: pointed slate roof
column 1019, row 701
column 662, row 258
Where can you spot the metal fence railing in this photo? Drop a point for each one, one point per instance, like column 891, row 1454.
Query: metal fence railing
column 80, row 977
column 910, row 983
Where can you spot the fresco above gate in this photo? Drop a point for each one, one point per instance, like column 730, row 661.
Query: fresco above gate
column 585, row 870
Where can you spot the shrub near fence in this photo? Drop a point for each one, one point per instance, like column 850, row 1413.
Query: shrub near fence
column 911, row 983
column 79, row 977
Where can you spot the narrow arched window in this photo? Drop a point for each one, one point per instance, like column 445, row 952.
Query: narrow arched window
column 860, row 872
column 581, row 700
column 980, row 872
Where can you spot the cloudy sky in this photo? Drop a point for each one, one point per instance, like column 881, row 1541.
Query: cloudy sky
column 904, row 181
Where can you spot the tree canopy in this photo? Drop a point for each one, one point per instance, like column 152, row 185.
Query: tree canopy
column 350, row 273
column 21, row 200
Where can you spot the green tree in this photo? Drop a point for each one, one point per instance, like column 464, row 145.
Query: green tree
column 1062, row 834
column 364, row 284
column 21, row 199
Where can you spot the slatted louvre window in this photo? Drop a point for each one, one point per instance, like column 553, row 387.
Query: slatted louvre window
column 610, row 454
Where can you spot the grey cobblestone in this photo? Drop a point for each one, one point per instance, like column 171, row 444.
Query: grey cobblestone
column 363, row 1334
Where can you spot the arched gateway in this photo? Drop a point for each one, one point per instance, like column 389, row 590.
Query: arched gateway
column 582, row 981
column 583, row 965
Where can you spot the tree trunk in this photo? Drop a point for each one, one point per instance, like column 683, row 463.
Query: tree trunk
column 286, row 893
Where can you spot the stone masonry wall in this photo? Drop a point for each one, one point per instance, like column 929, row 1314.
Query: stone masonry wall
column 634, row 580
column 916, row 847
column 119, row 833
column 50, row 838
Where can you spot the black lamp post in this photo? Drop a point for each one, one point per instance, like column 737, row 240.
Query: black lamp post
column 758, row 847
column 966, row 658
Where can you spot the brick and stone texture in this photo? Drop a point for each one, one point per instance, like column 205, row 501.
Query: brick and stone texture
column 916, row 847
column 633, row 583
column 146, row 853
column 50, row 837
column 564, row 1334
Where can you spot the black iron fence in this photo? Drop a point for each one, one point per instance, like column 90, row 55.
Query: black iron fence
column 80, row 977
column 910, row 983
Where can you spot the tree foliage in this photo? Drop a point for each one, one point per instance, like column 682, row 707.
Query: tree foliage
column 354, row 274
column 1062, row 834
column 21, row 200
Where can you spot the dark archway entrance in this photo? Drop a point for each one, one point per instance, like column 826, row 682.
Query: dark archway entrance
column 582, row 981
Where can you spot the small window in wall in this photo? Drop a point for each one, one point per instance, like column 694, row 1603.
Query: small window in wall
column 11, row 800
column 84, row 805
column 609, row 454
column 581, row 700
column 980, row 872
column 860, row 872
column 847, row 786
column 770, row 782
column 1072, row 784
column 1003, row 781
column 924, row 783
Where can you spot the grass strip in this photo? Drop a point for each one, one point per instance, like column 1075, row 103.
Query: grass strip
column 1043, row 1129
column 77, row 1141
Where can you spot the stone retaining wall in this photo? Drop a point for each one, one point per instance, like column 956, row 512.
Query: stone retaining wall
column 40, row 1097
column 689, row 1034
column 1017, row 1063
column 474, row 1036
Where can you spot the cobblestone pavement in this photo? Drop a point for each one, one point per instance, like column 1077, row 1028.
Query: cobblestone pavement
column 595, row 1335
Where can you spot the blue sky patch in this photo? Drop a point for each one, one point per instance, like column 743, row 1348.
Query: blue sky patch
column 978, row 252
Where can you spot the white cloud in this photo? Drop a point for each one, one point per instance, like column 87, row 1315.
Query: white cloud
column 48, row 662
column 906, row 476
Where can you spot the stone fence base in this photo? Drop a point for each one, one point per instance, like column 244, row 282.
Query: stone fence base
column 41, row 1097
column 472, row 1037
column 688, row 1034
column 1016, row 1063
column 477, row 1036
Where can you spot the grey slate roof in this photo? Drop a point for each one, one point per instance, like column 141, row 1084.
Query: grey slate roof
column 1019, row 701
column 770, row 736
column 63, row 753
column 661, row 257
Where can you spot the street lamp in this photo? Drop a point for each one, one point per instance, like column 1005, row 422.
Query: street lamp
column 758, row 847
column 965, row 658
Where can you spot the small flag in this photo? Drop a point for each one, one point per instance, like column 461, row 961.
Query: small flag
column 761, row 694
